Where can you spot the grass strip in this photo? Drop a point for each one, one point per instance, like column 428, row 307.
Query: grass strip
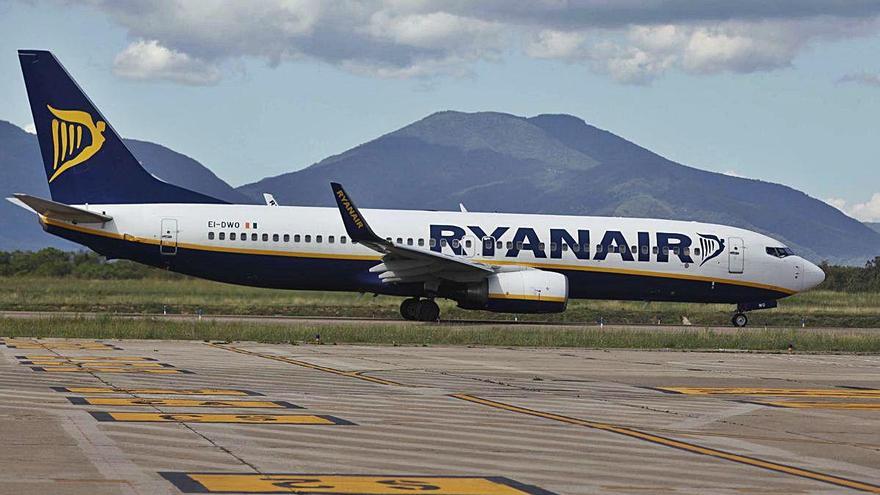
column 425, row 334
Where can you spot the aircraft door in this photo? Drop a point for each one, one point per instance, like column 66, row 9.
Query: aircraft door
column 488, row 246
column 735, row 255
column 168, row 237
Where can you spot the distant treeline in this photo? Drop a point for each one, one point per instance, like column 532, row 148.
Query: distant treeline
column 51, row 262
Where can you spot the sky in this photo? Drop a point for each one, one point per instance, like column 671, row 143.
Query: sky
column 786, row 91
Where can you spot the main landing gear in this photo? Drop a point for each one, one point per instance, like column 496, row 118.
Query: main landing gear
column 419, row 309
column 740, row 320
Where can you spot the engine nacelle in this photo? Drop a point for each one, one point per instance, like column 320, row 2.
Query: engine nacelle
column 524, row 291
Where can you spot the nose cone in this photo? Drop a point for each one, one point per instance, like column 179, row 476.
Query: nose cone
column 813, row 276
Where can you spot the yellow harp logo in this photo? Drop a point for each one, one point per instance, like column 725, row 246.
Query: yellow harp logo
column 70, row 148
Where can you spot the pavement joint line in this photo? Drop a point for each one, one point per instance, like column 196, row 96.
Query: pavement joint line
column 352, row 374
column 611, row 428
column 678, row 444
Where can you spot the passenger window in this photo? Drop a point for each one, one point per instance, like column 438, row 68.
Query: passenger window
column 455, row 243
column 634, row 249
column 687, row 251
column 243, row 236
column 274, row 237
column 675, row 250
column 342, row 240
column 564, row 247
column 308, row 238
column 442, row 242
column 468, row 243
column 509, row 244
column 400, row 240
column 388, row 239
column 296, row 238
column 696, row 251
column 409, row 241
column 222, row 236
column 577, row 247
column 319, row 238
column 265, row 237
column 654, row 250
column 598, row 248
column 253, row 237
column 286, row 237
column 331, row 239
column 644, row 249
column 232, row 236
column 432, row 242
column 421, row 242
column 519, row 245
column 540, row 246
column 499, row 244
column 210, row 236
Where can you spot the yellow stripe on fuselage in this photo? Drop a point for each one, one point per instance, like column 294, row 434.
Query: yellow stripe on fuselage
column 298, row 254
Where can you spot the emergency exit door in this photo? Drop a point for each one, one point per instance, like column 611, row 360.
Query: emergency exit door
column 168, row 237
column 735, row 255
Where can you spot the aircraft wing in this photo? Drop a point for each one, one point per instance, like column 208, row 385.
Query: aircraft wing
column 402, row 263
column 59, row 211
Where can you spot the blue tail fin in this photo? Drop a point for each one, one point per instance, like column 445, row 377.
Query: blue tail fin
column 84, row 158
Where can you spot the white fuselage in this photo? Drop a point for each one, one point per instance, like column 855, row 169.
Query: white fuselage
column 633, row 252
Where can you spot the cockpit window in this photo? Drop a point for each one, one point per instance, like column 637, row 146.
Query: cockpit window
column 780, row 252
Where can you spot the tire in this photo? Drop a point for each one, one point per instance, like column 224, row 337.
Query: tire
column 409, row 309
column 428, row 310
column 740, row 320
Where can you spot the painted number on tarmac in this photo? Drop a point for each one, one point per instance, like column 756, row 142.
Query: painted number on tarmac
column 154, row 391
column 281, row 419
column 778, row 392
column 103, row 369
column 140, row 401
column 340, row 484
column 84, row 359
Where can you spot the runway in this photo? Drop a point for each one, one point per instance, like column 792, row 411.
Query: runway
column 145, row 417
column 361, row 321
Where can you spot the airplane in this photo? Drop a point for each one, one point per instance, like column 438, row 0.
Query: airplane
column 102, row 198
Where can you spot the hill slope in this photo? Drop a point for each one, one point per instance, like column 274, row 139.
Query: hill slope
column 558, row 164
column 21, row 170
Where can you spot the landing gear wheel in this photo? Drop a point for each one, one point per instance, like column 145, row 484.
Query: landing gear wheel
column 409, row 309
column 740, row 320
column 428, row 310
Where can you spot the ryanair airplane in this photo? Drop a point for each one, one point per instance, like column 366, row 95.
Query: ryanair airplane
column 102, row 198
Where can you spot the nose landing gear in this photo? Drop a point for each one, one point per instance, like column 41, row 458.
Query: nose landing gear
column 415, row 309
column 740, row 319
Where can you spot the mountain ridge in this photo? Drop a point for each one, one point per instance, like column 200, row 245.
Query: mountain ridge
column 411, row 168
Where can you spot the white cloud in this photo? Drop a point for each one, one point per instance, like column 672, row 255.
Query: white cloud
column 869, row 211
column 550, row 43
column 632, row 41
column 150, row 60
column 30, row 128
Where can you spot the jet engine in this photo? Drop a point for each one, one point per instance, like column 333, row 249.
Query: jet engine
column 523, row 291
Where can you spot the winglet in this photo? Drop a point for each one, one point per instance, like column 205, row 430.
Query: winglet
column 355, row 224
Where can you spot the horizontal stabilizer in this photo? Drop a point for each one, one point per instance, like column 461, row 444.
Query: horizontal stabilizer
column 60, row 211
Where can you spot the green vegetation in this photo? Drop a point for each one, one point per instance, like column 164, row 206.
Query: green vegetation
column 52, row 280
column 429, row 334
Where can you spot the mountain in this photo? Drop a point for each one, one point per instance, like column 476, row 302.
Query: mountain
column 558, row 164
column 21, row 170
